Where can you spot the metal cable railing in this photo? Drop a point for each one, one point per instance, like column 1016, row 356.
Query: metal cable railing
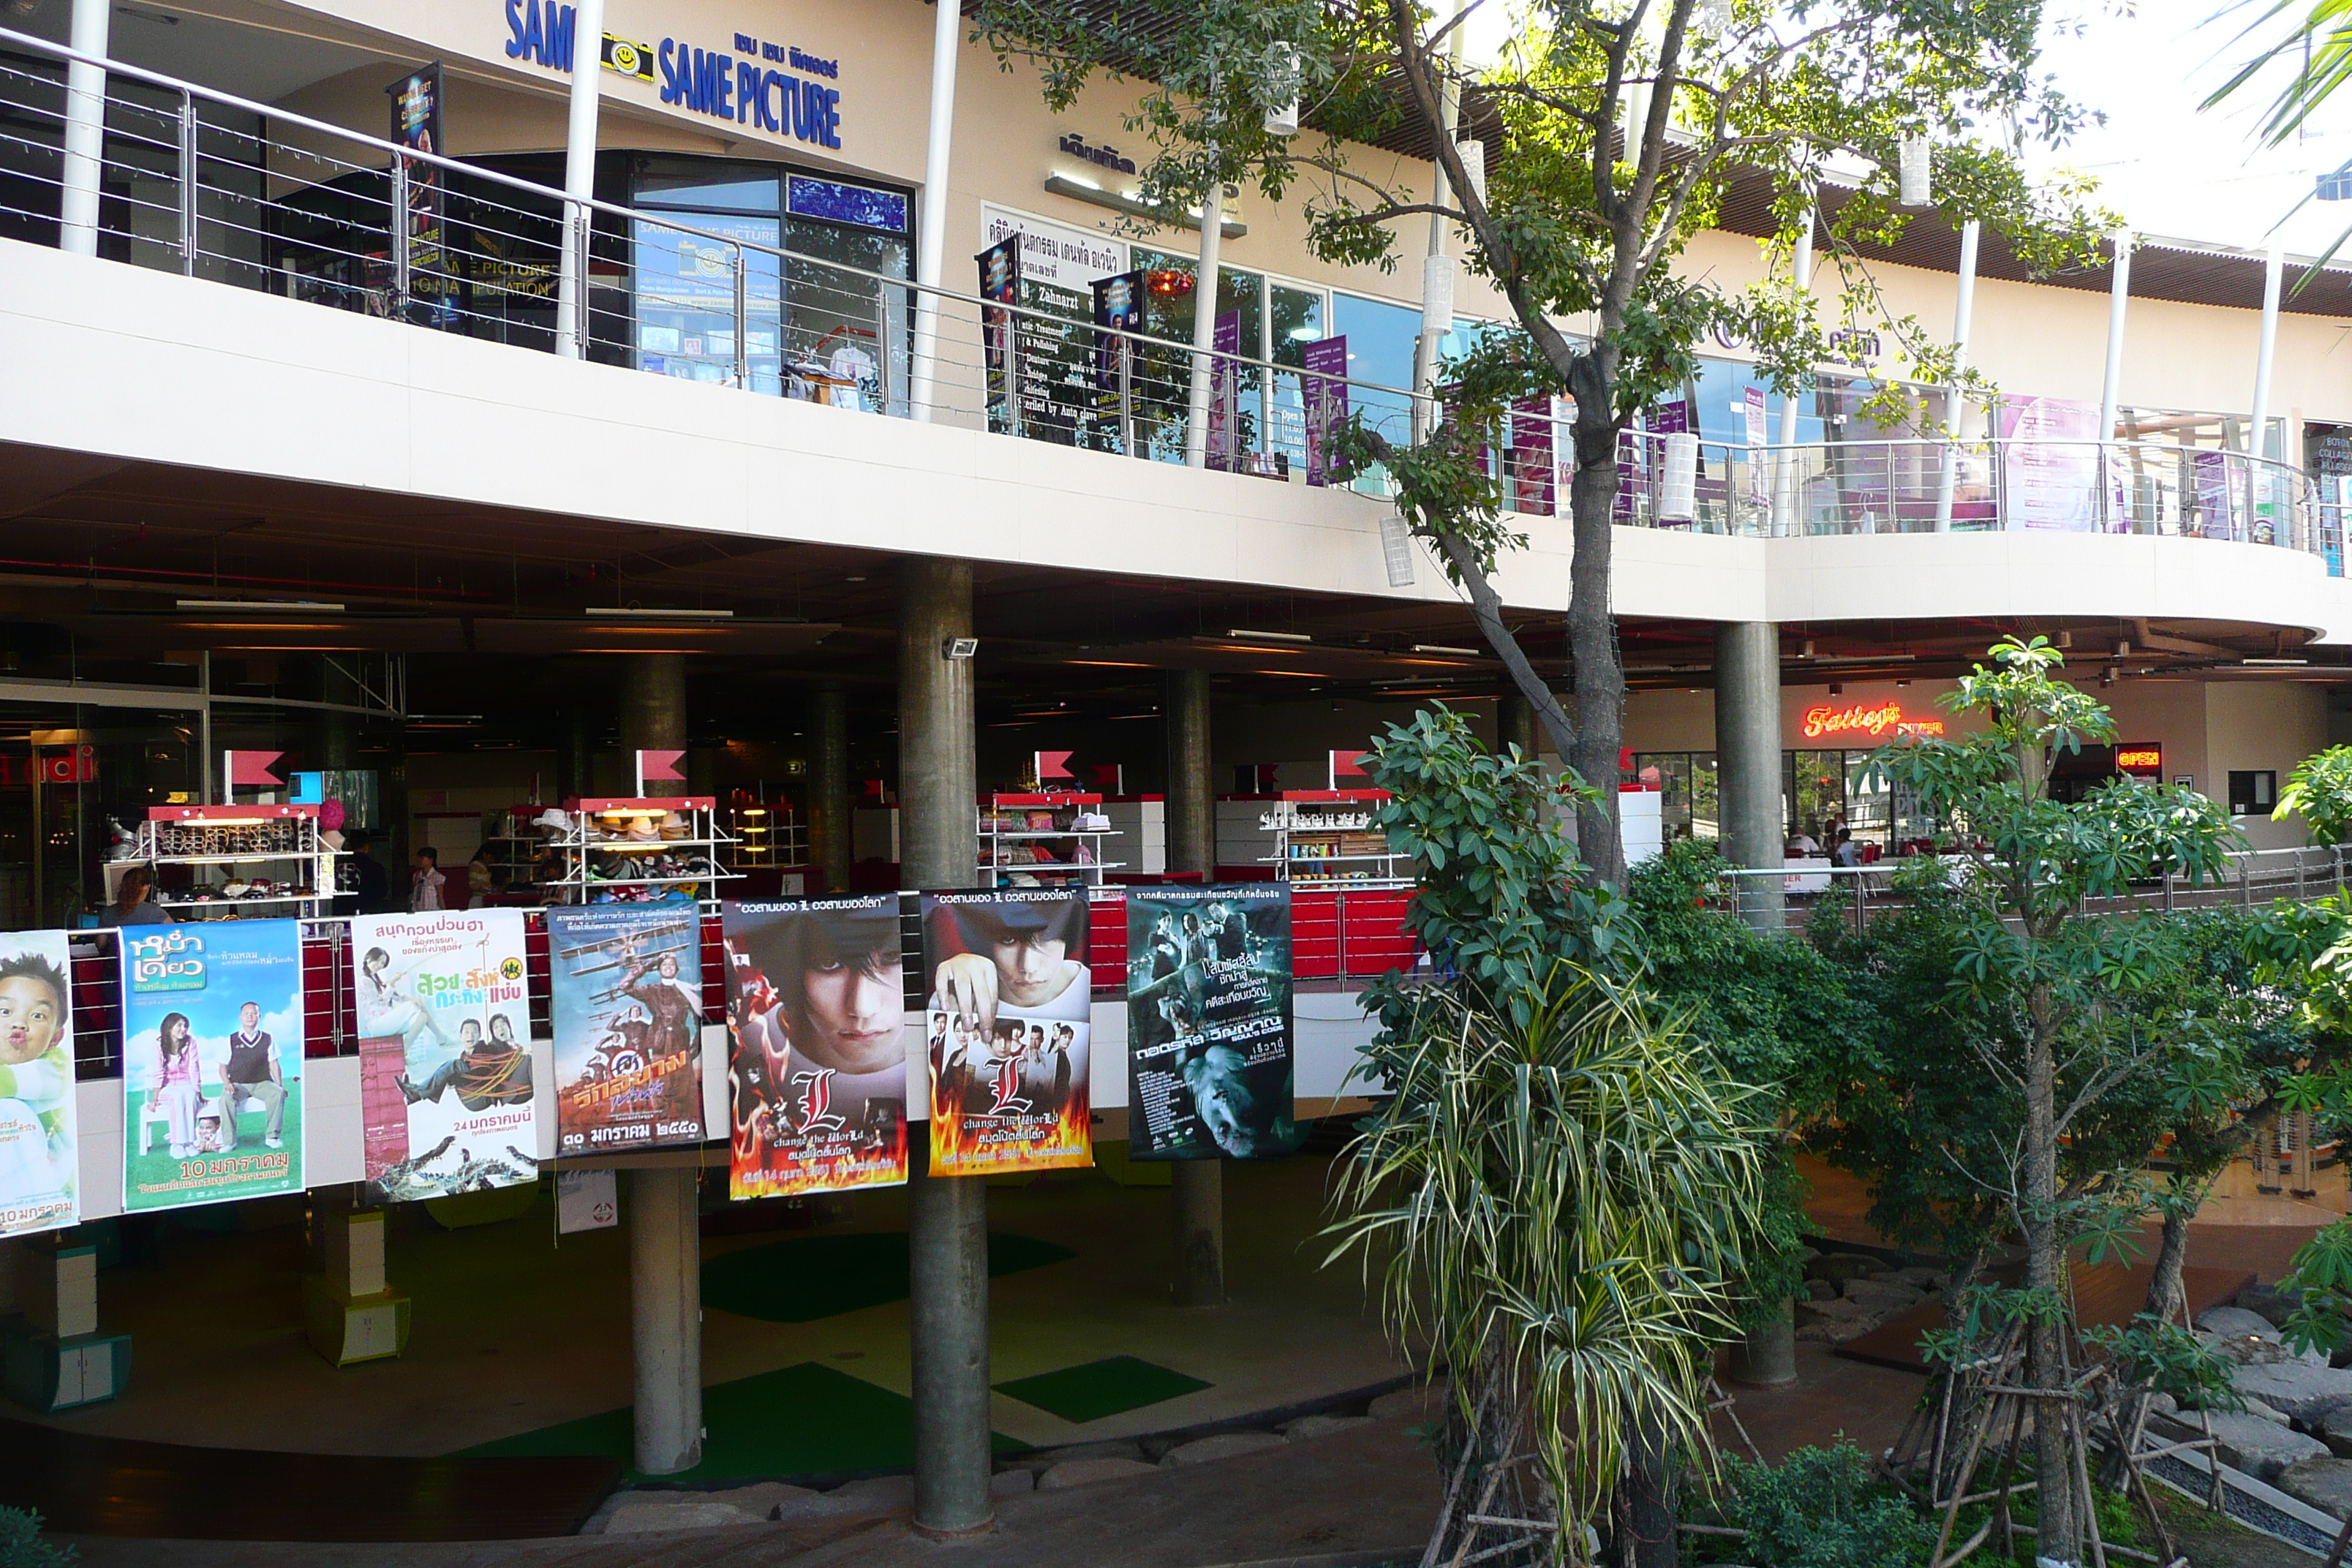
column 2248, row 877
column 216, row 187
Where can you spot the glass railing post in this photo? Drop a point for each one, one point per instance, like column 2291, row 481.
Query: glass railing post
column 399, row 215
column 741, row 310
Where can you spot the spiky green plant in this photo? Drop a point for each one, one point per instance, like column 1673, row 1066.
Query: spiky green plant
column 1556, row 1208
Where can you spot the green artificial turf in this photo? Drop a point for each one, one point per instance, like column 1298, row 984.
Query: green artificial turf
column 1098, row 1388
column 803, row 1420
column 813, row 1277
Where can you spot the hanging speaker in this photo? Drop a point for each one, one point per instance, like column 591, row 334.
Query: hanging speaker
column 1474, row 165
column 1678, row 479
column 1396, row 550
column 1913, row 164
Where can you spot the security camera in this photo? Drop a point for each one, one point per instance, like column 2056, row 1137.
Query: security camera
column 959, row 647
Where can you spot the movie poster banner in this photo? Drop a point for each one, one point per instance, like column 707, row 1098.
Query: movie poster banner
column 1208, row 1023
column 817, row 1015
column 625, row 1004
column 1008, row 995
column 212, row 1062
column 40, row 1160
column 446, row 1099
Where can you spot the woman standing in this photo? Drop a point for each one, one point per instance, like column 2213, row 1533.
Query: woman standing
column 175, row 1081
column 133, row 904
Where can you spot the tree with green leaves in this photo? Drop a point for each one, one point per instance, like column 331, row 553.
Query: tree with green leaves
column 1611, row 134
column 1563, row 1193
column 2045, row 982
column 2319, row 790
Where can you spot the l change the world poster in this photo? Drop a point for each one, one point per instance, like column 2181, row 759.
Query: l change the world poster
column 1209, row 1033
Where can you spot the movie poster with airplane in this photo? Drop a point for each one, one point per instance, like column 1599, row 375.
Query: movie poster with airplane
column 624, row 1004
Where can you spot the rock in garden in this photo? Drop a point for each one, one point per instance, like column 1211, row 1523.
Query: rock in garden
column 1424, row 1401
column 2253, row 1350
column 1883, row 1296
column 1840, row 1266
column 2260, row 1448
column 1838, row 1311
column 878, row 1493
column 1919, row 1276
column 2334, row 1427
column 2325, row 1483
column 1223, row 1445
column 642, row 1519
column 1821, row 1291
column 1044, row 1460
column 1086, row 1472
column 2236, row 1322
column 2296, row 1389
column 1307, row 1427
column 1011, row 1483
column 2267, row 1301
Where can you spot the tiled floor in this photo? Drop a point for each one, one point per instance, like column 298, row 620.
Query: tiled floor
column 516, row 1328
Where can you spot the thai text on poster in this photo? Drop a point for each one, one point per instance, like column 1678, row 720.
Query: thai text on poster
column 212, row 1062
column 1209, row 1034
column 1324, row 391
column 817, row 1015
column 40, row 1161
column 1008, row 997
column 624, row 1004
column 445, row 1102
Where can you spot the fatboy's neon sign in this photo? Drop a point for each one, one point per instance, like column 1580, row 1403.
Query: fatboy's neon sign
column 741, row 86
column 1864, row 718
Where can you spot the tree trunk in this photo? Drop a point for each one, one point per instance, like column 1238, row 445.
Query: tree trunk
column 2055, row 1536
column 1593, row 643
column 1644, row 1510
column 2171, row 1252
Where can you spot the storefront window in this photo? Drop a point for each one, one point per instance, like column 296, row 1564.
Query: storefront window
column 68, row 771
column 830, row 327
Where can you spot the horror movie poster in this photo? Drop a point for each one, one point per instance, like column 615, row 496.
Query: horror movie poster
column 625, row 1004
column 1006, row 997
column 445, row 1092
column 817, row 1018
column 1208, row 1023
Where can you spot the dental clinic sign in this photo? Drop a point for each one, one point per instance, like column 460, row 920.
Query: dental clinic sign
column 742, row 83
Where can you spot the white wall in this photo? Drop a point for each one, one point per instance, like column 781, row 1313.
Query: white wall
column 111, row 359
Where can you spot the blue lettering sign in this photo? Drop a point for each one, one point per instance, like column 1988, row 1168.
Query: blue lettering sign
column 707, row 82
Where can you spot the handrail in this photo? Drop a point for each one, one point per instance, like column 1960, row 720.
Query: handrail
column 276, row 117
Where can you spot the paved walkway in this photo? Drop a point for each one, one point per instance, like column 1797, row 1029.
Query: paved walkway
column 1367, row 1494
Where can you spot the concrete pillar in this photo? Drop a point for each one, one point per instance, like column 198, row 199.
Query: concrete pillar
column 1514, row 725
column 1191, row 803
column 829, row 797
column 666, row 1317
column 576, row 760
column 1747, row 760
column 1196, row 1187
column 653, row 701
column 664, row 1237
column 939, row 847
column 338, row 731
column 578, row 175
column 1748, row 786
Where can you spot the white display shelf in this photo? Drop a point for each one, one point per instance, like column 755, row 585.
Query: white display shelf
column 585, row 841
column 996, row 866
column 202, row 824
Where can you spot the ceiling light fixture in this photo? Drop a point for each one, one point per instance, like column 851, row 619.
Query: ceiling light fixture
column 292, row 606
column 632, row 610
column 2275, row 663
column 1441, row 647
column 1270, row 637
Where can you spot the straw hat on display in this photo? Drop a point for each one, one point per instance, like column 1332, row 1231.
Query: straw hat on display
column 675, row 825
column 555, row 820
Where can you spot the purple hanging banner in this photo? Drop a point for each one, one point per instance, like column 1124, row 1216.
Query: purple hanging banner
column 1325, row 362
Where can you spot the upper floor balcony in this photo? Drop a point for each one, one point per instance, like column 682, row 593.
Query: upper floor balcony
column 302, row 302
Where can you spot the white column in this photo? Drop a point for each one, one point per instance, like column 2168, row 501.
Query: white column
column 1784, row 504
column 579, row 174
column 2257, row 439
column 666, row 1317
column 85, row 129
column 2111, row 388
column 1437, row 271
column 930, row 252
column 1964, row 310
column 1204, row 320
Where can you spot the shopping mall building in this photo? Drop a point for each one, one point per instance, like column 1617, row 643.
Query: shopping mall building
column 461, row 510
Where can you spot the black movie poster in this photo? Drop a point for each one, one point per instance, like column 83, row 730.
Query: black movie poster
column 1208, row 1023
